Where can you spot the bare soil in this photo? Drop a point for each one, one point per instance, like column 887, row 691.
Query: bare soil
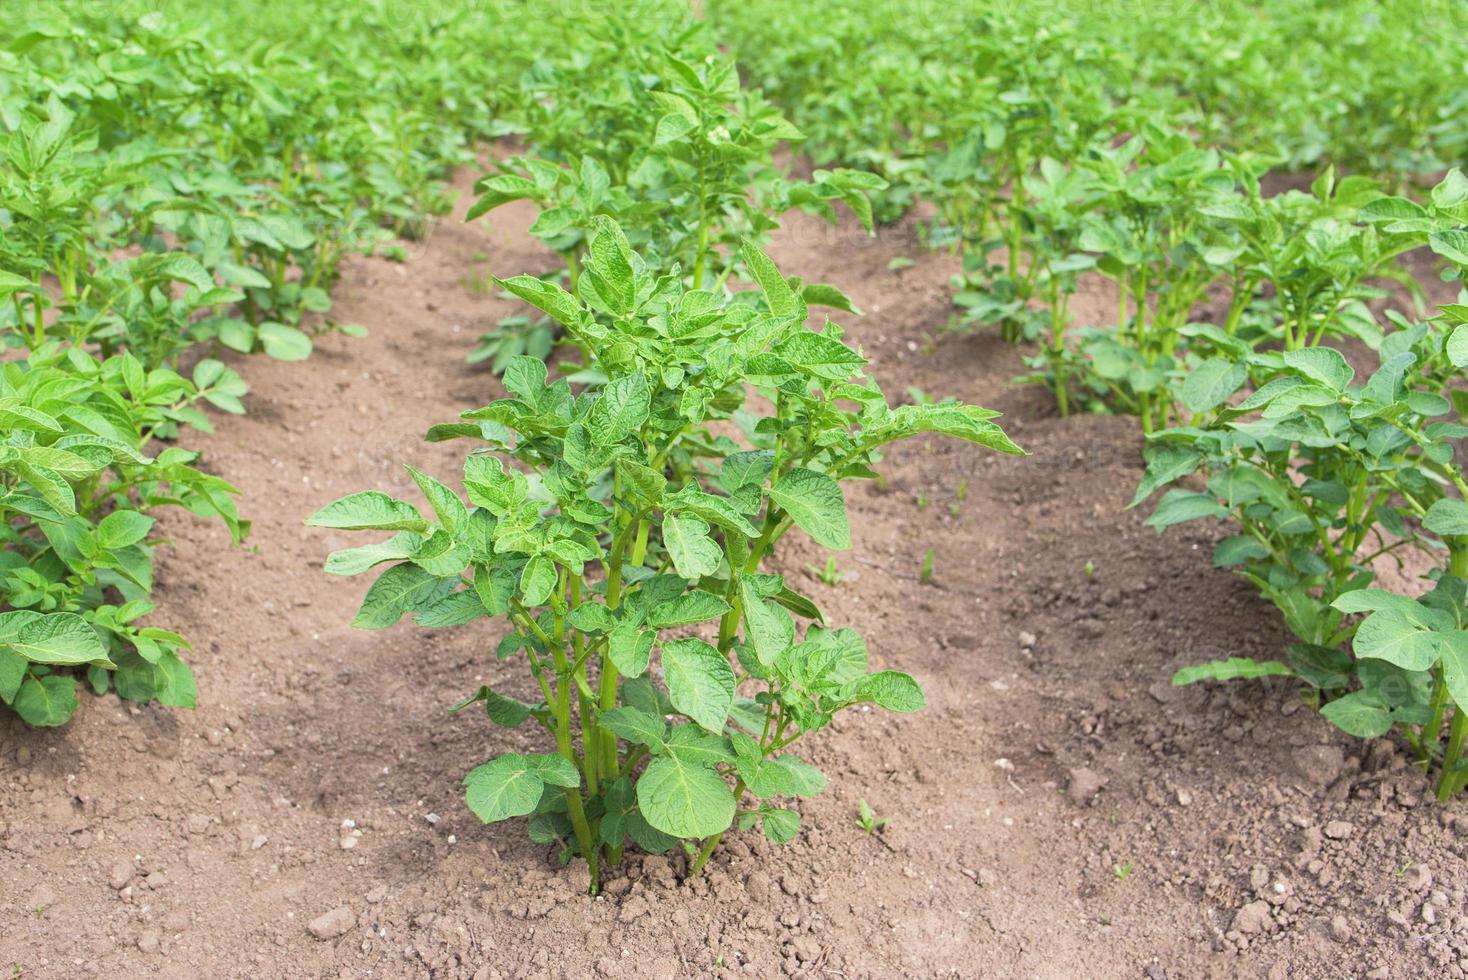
column 1059, row 809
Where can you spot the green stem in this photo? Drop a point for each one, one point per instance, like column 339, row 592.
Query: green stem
column 562, row 711
column 1451, row 780
column 1432, row 734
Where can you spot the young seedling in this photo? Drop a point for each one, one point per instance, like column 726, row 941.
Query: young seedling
column 926, row 575
column 1123, row 871
column 621, row 543
column 867, row 819
column 831, row 575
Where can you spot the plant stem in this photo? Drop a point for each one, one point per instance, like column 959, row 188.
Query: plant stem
column 1449, row 782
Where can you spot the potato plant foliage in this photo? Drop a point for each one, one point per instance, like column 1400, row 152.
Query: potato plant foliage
column 621, row 534
column 77, row 563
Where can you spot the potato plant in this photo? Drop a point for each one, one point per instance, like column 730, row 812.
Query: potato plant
column 76, row 566
column 687, row 177
column 623, row 536
column 1328, row 478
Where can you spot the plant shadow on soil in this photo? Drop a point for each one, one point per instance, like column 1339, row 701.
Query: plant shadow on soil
column 1054, row 751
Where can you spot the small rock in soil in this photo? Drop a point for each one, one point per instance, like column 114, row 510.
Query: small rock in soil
column 1027, row 640
column 333, row 923
column 148, row 941
column 1339, row 830
column 1319, row 764
column 1253, row 918
column 121, row 874
column 1340, row 929
column 1084, row 785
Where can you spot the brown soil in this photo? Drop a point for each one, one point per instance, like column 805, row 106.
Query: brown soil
column 1059, row 810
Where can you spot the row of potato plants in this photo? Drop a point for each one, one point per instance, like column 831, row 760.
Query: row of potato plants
column 621, row 530
column 174, row 185
column 1065, row 173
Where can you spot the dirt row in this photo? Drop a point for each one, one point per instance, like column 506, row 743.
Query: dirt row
column 1058, row 810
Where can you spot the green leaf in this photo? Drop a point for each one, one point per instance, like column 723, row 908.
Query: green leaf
column 768, row 626
column 805, row 779
column 1236, row 550
column 694, row 553
column 355, row 561
column 446, row 504
column 780, row 825
column 1178, row 506
column 1166, row 463
column 174, row 682
column 122, row 528
column 50, row 486
column 47, row 701
column 608, row 275
column 672, row 127
column 816, row 503
column 779, row 297
column 16, row 416
column 687, row 609
column 743, row 469
column 1448, row 517
column 537, row 581
column 547, row 297
column 968, row 422
column 503, row 711
column 643, row 481
column 629, row 649
column 369, row 510
column 10, row 284
column 1404, row 637
column 1457, row 346
column 1232, row 669
column 692, row 744
column 700, row 682
column 61, row 638
column 820, row 355
column 1321, row 666
column 12, row 672
column 1211, row 383
column 822, row 294
column 1451, row 245
column 684, row 799
column 398, row 590
column 1326, row 365
column 622, row 408
column 554, row 770
column 284, row 343
column 891, row 689
column 511, row 785
column 637, row 726
column 1360, row 714
column 1455, row 666
column 1391, row 209
column 524, row 377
